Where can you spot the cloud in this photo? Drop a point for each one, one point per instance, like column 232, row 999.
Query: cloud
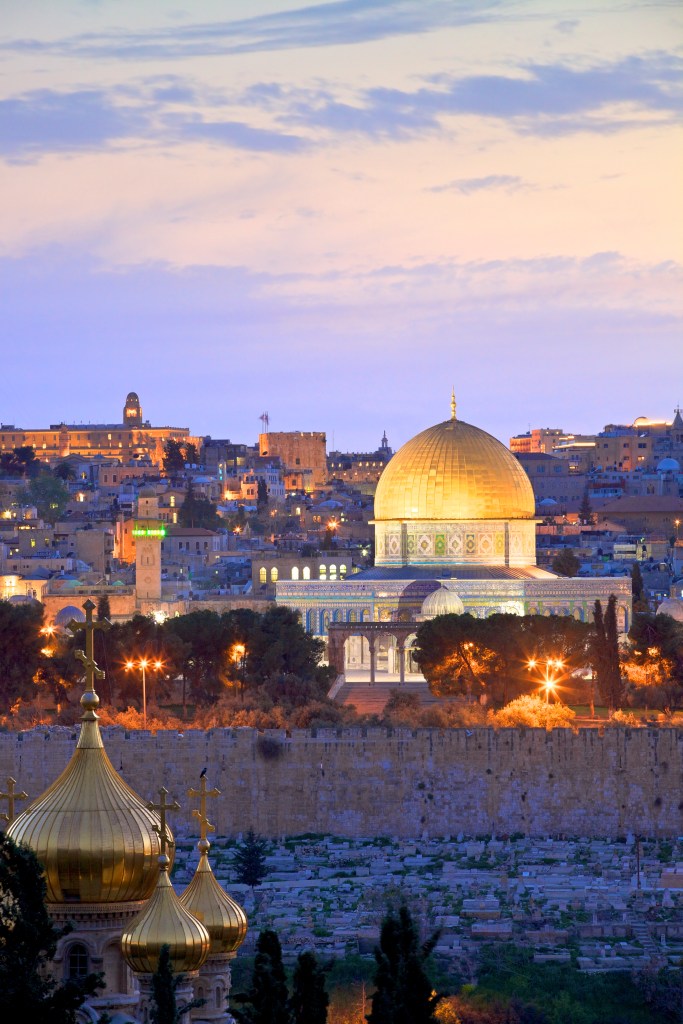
column 509, row 182
column 47, row 121
column 54, row 121
column 339, row 23
column 542, row 99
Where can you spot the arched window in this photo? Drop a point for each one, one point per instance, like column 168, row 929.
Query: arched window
column 307, row 573
column 77, row 965
column 333, row 571
column 295, row 572
column 273, row 575
column 342, row 570
column 219, row 996
column 323, row 572
column 262, row 574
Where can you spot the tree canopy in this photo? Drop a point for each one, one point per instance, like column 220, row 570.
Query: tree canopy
column 49, row 495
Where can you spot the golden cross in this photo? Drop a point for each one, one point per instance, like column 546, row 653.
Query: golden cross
column 160, row 829
column 204, row 824
column 92, row 672
column 453, row 404
column 10, row 796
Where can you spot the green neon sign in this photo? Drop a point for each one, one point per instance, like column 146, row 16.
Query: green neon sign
column 161, row 532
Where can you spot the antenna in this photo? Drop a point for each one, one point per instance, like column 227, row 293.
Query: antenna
column 265, row 420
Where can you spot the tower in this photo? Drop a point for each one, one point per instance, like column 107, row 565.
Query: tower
column 148, row 530
column 132, row 411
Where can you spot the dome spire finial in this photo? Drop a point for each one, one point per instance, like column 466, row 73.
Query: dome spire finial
column 161, row 829
column 453, row 403
column 89, row 700
column 204, row 823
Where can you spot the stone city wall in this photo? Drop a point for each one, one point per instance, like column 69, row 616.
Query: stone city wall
column 367, row 782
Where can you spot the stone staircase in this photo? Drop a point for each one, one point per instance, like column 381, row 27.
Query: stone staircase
column 371, row 699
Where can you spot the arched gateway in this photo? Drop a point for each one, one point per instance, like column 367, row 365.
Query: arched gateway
column 339, row 633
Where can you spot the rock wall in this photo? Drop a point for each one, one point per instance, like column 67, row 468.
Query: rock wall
column 367, row 782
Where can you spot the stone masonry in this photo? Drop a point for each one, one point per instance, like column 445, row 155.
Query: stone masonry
column 402, row 783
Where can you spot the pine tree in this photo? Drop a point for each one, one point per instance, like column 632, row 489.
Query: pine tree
column 404, row 993
column 28, row 940
column 103, row 609
column 249, row 860
column 165, row 1009
column 267, row 1000
column 309, row 1000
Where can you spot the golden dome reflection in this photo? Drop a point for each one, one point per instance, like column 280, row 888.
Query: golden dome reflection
column 453, row 471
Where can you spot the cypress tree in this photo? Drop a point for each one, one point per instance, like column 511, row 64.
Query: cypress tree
column 267, row 1001
column 309, row 1000
column 165, row 1009
column 614, row 681
column 404, row 993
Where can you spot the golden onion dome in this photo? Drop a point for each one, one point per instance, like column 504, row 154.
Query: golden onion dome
column 222, row 917
column 453, row 471
column 442, row 601
column 165, row 922
column 91, row 832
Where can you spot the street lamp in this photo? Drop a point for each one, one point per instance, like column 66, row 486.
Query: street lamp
column 550, row 668
column 143, row 664
column 239, row 656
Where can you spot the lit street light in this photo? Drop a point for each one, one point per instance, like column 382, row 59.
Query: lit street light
column 143, row 664
column 238, row 653
column 550, row 668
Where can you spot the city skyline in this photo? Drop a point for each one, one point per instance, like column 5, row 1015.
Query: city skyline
column 336, row 212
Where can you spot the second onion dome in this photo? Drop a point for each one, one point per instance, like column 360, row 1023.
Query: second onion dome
column 206, row 900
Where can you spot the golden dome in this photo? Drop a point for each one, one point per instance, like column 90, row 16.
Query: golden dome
column 442, row 601
column 164, row 921
column 224, row 920
column 91, row 832
column 453, row 471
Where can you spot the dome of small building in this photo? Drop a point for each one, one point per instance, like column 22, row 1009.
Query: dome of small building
column 442, row 601
column 164, row 921
column 93, row 835
column 672, row 606
column 223, row 918
column 454, row 471
column 70, row 612
column 668, row 465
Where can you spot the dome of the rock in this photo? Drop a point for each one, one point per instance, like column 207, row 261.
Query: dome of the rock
column 453, row 471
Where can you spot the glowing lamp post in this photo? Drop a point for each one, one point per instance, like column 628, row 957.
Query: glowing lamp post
column 239, row 656
column 143, row 664
column 550, row 669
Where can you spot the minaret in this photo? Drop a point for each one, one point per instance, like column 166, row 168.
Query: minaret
column 224, row 920
column 149, row 531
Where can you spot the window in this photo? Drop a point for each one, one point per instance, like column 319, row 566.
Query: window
column 273, row 575
column 323, row 572
column 307, row 573
column 342, row 570
column 77, row 961
column 295, row 572
column 262, row 574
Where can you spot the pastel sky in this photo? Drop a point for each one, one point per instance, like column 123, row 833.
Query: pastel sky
column 335, row 211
